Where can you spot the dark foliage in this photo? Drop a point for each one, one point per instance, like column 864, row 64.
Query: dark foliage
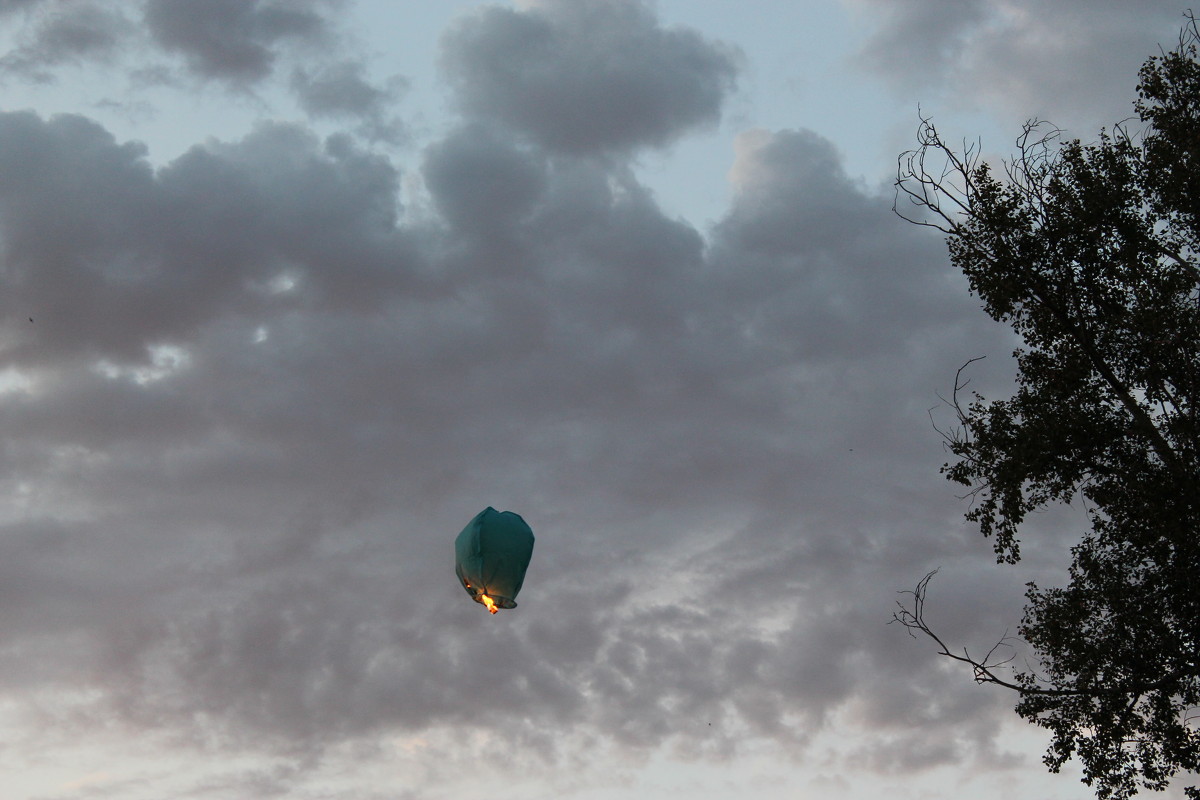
column 1091, row 252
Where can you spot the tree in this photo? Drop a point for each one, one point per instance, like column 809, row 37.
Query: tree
column 1091, row 252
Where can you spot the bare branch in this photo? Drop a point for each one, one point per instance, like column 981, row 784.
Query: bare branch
column 912, row 618
column 936, row 178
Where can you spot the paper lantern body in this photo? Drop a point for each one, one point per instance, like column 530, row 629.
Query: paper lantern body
column 491, row 556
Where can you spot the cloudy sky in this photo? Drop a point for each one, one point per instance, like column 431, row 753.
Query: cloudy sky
column 293, row 288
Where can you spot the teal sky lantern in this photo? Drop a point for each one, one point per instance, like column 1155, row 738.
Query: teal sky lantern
column 491, row 556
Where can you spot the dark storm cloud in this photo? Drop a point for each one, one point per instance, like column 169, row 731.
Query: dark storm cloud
column 583, row 77
column 233, row 40
column 1063, row 61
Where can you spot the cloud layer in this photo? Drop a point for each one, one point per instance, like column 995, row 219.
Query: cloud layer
column 697, row 431
column 250, row 395
column 1071, row 62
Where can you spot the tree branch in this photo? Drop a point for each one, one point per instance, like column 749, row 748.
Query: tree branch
column 913, row 620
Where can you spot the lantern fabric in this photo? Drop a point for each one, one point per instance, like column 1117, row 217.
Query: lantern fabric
column 491, row 556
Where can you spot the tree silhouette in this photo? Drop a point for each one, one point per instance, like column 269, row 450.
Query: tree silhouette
column 1091, row 252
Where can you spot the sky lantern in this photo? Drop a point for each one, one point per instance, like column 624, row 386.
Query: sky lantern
column 491, row 556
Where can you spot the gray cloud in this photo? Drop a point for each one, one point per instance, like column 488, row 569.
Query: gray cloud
column 112, row 258
column 260, row 397
column 483, row 185
column 674, row 416
column 1062, row 61
column 240, row 44
column 232, row 40
column 583, row 77
column 338, row 90
column 920, row 41
column 343, row 91
column 9, row 6
column 75, row 33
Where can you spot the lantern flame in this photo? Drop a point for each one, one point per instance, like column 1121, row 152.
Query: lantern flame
column 490, row 603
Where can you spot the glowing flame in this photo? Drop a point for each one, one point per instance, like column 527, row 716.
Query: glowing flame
column 490, row 603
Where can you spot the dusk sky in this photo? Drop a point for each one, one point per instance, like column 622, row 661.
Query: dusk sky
column 292, row 289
